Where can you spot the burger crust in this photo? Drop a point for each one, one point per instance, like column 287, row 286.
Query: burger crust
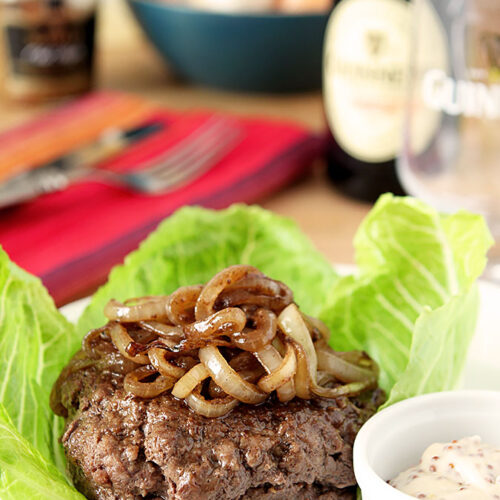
column 123, row 447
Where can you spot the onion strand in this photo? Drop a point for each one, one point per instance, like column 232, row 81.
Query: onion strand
column 162, row 365
column 134, row 382
column 271, row 360
column 283, row 373
column 241, row 331
column 122, row 340
column 145, row 308
column 228, row 379
column 186, row 384
column 213, row 408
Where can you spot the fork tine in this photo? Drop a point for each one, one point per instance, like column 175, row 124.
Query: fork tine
column 165, row 180
column 201, row 151
column 207, row 155
column 196, row 169
column 192, row 153
column 211, row 129
column 188, row 159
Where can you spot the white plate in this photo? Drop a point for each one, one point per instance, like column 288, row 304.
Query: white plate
column 482, row 370
column 73, row 310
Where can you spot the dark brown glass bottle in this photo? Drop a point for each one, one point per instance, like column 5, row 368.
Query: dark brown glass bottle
column 363, row 180
column 364, row 84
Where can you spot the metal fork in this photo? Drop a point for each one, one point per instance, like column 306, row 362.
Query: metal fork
column 178, row 166
column 181, row 164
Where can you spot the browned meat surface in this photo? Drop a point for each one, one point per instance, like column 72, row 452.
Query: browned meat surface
column 122, row 447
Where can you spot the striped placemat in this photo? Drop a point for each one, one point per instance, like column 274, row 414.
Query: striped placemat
column 72, row 238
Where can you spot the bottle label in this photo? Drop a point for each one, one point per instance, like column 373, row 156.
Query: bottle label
column 365, row 68
column 365, row 79
column 52, row 46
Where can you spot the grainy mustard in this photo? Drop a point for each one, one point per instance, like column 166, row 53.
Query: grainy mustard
column 464, row 469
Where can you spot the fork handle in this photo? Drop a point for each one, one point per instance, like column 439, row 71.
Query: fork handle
column 32, row 184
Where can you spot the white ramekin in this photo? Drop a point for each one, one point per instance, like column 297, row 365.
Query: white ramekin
column 395, row 438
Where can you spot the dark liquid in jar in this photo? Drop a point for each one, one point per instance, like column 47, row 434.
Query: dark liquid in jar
column 48, row 47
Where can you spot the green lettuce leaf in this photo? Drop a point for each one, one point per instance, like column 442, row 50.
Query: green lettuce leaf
column 436, row 360
column 413, row 305
column 195, row 243
column 36, row 342
column 24, row 472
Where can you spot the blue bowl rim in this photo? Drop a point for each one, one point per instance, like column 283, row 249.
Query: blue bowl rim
column 184, row 9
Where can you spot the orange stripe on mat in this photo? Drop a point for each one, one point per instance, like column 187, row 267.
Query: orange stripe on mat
column 62, row 138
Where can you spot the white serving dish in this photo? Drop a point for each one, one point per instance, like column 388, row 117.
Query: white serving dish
column 395, row 439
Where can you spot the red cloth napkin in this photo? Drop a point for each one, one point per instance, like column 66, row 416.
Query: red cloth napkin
column 72, row 238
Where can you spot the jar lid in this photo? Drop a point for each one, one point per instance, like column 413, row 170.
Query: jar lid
column 75, row 4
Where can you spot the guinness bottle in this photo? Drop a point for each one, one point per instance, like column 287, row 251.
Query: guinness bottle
column 366, row 67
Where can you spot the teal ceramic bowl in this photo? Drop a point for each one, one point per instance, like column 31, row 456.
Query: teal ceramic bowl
column 245, row 52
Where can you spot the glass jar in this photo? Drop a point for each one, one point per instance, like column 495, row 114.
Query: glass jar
column 48, row 47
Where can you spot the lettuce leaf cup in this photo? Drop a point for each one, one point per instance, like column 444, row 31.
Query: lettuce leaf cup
column 412, row 305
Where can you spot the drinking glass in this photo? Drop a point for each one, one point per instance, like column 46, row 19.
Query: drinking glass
column 451, row 148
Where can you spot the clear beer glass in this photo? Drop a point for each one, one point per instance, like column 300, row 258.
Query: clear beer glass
column 451, row 148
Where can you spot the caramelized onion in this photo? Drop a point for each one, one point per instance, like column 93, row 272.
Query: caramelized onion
column 302, row 378
column 175, row 339
column 271, row 360
column 214, row 391
column 190, row 380
column 317, row 324
column 143, row 309
column 164, row 331
column 225, row 322
column 343, row 390
column 162, row 365
column 210, row 408
column 249, row 375
column 193, row 343
column 228, row 379
column 248, row 368
column 282, row 374
column 245, row 361
column 323, row 378
column 187, row 360
column 257, row 290
column 136, row 382
column 122, row 340
column 95, row 344
column 359, row 358
column 242, row 297
column 287, row 391
column 293, row 325
column 252, row 340
column 181, row 304
column 259, row 284
column 278, row 345
column 344, row 371
column 227, row 277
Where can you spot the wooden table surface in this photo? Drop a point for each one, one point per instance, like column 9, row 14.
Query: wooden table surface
column 126, row 61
